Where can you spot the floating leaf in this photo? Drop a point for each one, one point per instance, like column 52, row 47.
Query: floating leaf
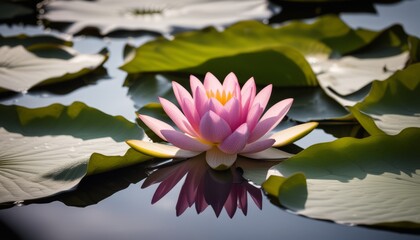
column 309, row 104
column 414, row 43
column 159, row 16
column 291, row 192
column 94, row 188
column 251, row 48
column 148, row 88
column 48, row 150
column 349, row 74
column 301, row 9
column 370, row 181
column 10, row 10
column 392, row 105
column 77, row 119
column 34, row 167
column 21, row 70
column 271, row 55
column 30, row 41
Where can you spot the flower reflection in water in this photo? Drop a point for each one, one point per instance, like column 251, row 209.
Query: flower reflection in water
column 204, row 186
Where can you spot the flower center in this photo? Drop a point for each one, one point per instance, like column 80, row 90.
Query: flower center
column 222, row 97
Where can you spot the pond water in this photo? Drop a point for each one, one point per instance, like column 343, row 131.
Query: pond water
column 128, row 213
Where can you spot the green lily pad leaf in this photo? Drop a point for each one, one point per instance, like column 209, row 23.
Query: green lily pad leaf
column 144, row 89
column 10, row 10
column 290, row 192
column 95, row 188
column 48, row 150
column 288, row 67
column 350, row 129
column 390, row 41
column 34, row 167
column 21, row 70
column 77, row 119
column 163, row 16
column 414, row 43
column 309, row 104
column 240, row 44
column 370, row 181
column 392, row 105
column 332, row 31
column 254, row 171
column 348, row 75
column 30, row 41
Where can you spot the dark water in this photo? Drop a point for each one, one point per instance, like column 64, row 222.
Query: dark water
column 129, row 214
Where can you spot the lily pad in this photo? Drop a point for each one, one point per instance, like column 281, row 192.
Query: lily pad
column 414, row 43
column 348, row 75
column 11, row 10
column 30, row 41
column 48, row 150
column 21, row 70
column 145, row 89
column 247, row 46
column 95, row 188
column 77, row 119
column 392, row 105
column 34, row 167
column 370, row 181
column 251, row 48
column 158, row 16
column 309, row 104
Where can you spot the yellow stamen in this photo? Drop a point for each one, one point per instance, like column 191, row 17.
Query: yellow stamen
column 222, row 97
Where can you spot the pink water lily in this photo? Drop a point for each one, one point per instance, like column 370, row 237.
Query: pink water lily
column 203, row 188
column 222, row 120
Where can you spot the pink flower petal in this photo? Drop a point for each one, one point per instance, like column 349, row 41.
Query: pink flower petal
column 233, row 110
column 191, row 113
column 194, row 84
column 155, row 125
column 256, row 195
column 213, row 128
column 195, row 174
column 230, row 84
column 185, row 142
column 189, row 188
column 167, row 185
column 231, row 203
column 211, row 83
column 235, row 142
column 263, row 96
column 200, row 201
column 243, row 200
column 270, row 153
column 248, row 94
column 216, row 193
column 182, row 203
column 158, row 176
column 257, row 146
column 253, row 116
column 177, row 116
column 270, row 119
column 219, row 160
column 217, row 107
column 180, row 93
column 201, row 101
